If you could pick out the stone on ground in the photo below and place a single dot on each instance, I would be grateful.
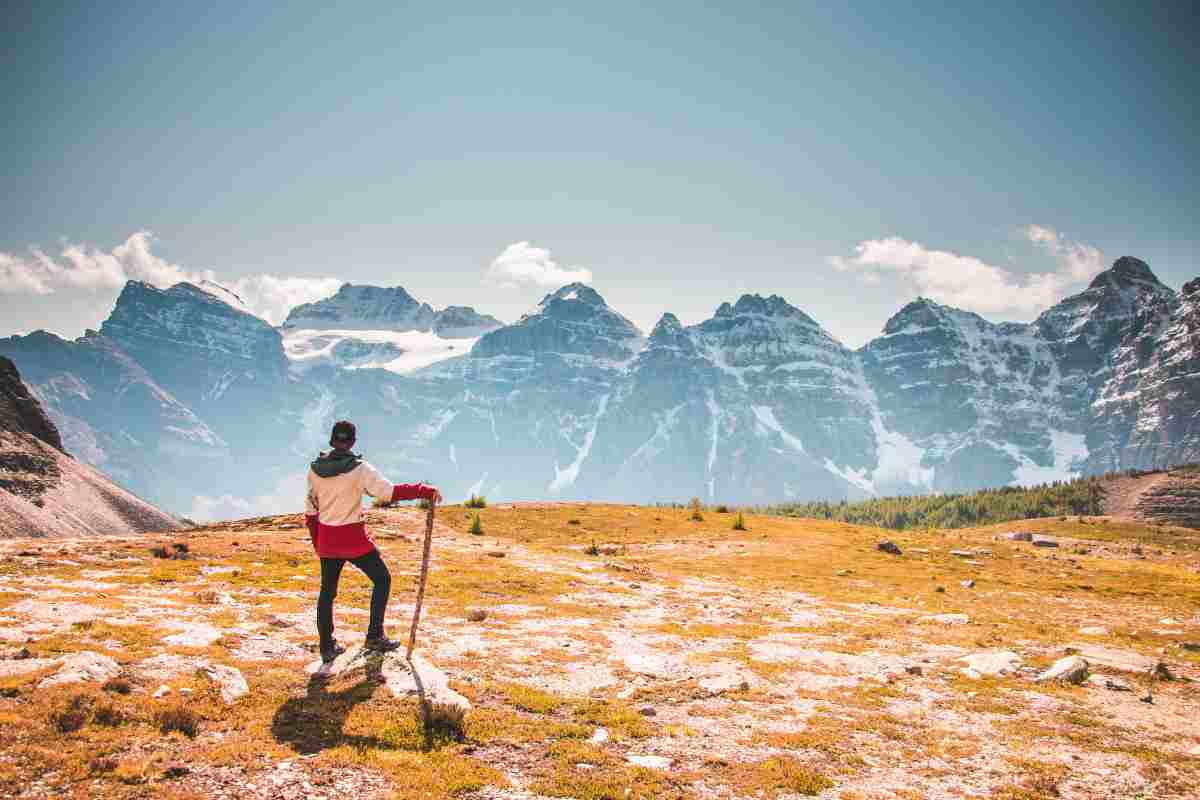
(420, 680)
(1044, 541)
(1071, 669)
(1115, 658)
(991, 663)
(653, 762)
(229, 680)
(83, 667)
(423, 680)
(889, 547)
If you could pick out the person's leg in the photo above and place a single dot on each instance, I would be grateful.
(331, 572)
(373, 567)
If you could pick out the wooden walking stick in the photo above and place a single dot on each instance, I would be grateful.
(412, 634)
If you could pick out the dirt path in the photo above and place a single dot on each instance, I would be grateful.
(1121, 495)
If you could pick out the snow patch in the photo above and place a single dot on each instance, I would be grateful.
(766, 417)
(566, 477)
(1070, 449)
(308, 347)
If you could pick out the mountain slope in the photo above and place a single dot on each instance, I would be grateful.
(43, 491)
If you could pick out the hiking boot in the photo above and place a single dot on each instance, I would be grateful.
(382, 644)
(331, 652)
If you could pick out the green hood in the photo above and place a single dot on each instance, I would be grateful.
(335, 462)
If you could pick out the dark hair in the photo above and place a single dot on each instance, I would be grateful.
(344, 434)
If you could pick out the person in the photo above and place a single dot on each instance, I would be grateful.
(333, 512)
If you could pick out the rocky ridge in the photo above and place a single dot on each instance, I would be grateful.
(45, 492)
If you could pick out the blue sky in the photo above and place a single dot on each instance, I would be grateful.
(847, 159)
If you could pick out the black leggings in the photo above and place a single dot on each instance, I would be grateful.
(331, 572)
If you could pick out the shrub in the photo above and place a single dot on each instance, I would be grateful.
(739, 522)
(109, 715)
(696, 508)
(74, 716)
(594, 549)
(160, 552)
(178, 718)
(476, 501)
(181, 548)
(722, 509)
(476, 528)
(117, 686)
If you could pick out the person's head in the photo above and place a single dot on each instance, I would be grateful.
(343, 435)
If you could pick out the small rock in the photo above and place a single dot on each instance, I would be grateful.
(968, 584)
(1019, 536)
(1094, 630)
(161, 692)
(496, 553)
(1111, 684)
(653, 762)
(1044, 541)
(477, 615)
(599, 737)
(648, 711)
(940, 589)
(229, 679)
(1148, 698)
(1195, 751)
(1191, 647)
(914, 669)
(175, 771)
(889, 547)
(1071, 669)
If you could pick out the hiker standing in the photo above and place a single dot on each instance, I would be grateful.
(334, 515)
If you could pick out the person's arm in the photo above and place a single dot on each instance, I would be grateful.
(376, 485)
(311, 511)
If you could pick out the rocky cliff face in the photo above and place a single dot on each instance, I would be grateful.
(202, 350)
(980, 401)
(379, 308)
(756, 404)
(1152, 401)
(20, 412)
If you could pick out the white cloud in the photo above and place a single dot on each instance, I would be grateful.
(283, 498)
(971, 283)
(272, 297)
(81, 267)
(522, 263)
(962, 281)
(1081, 261)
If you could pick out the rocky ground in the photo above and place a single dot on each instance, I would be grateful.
(612, 652)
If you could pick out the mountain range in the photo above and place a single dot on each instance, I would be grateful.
(200, 406)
